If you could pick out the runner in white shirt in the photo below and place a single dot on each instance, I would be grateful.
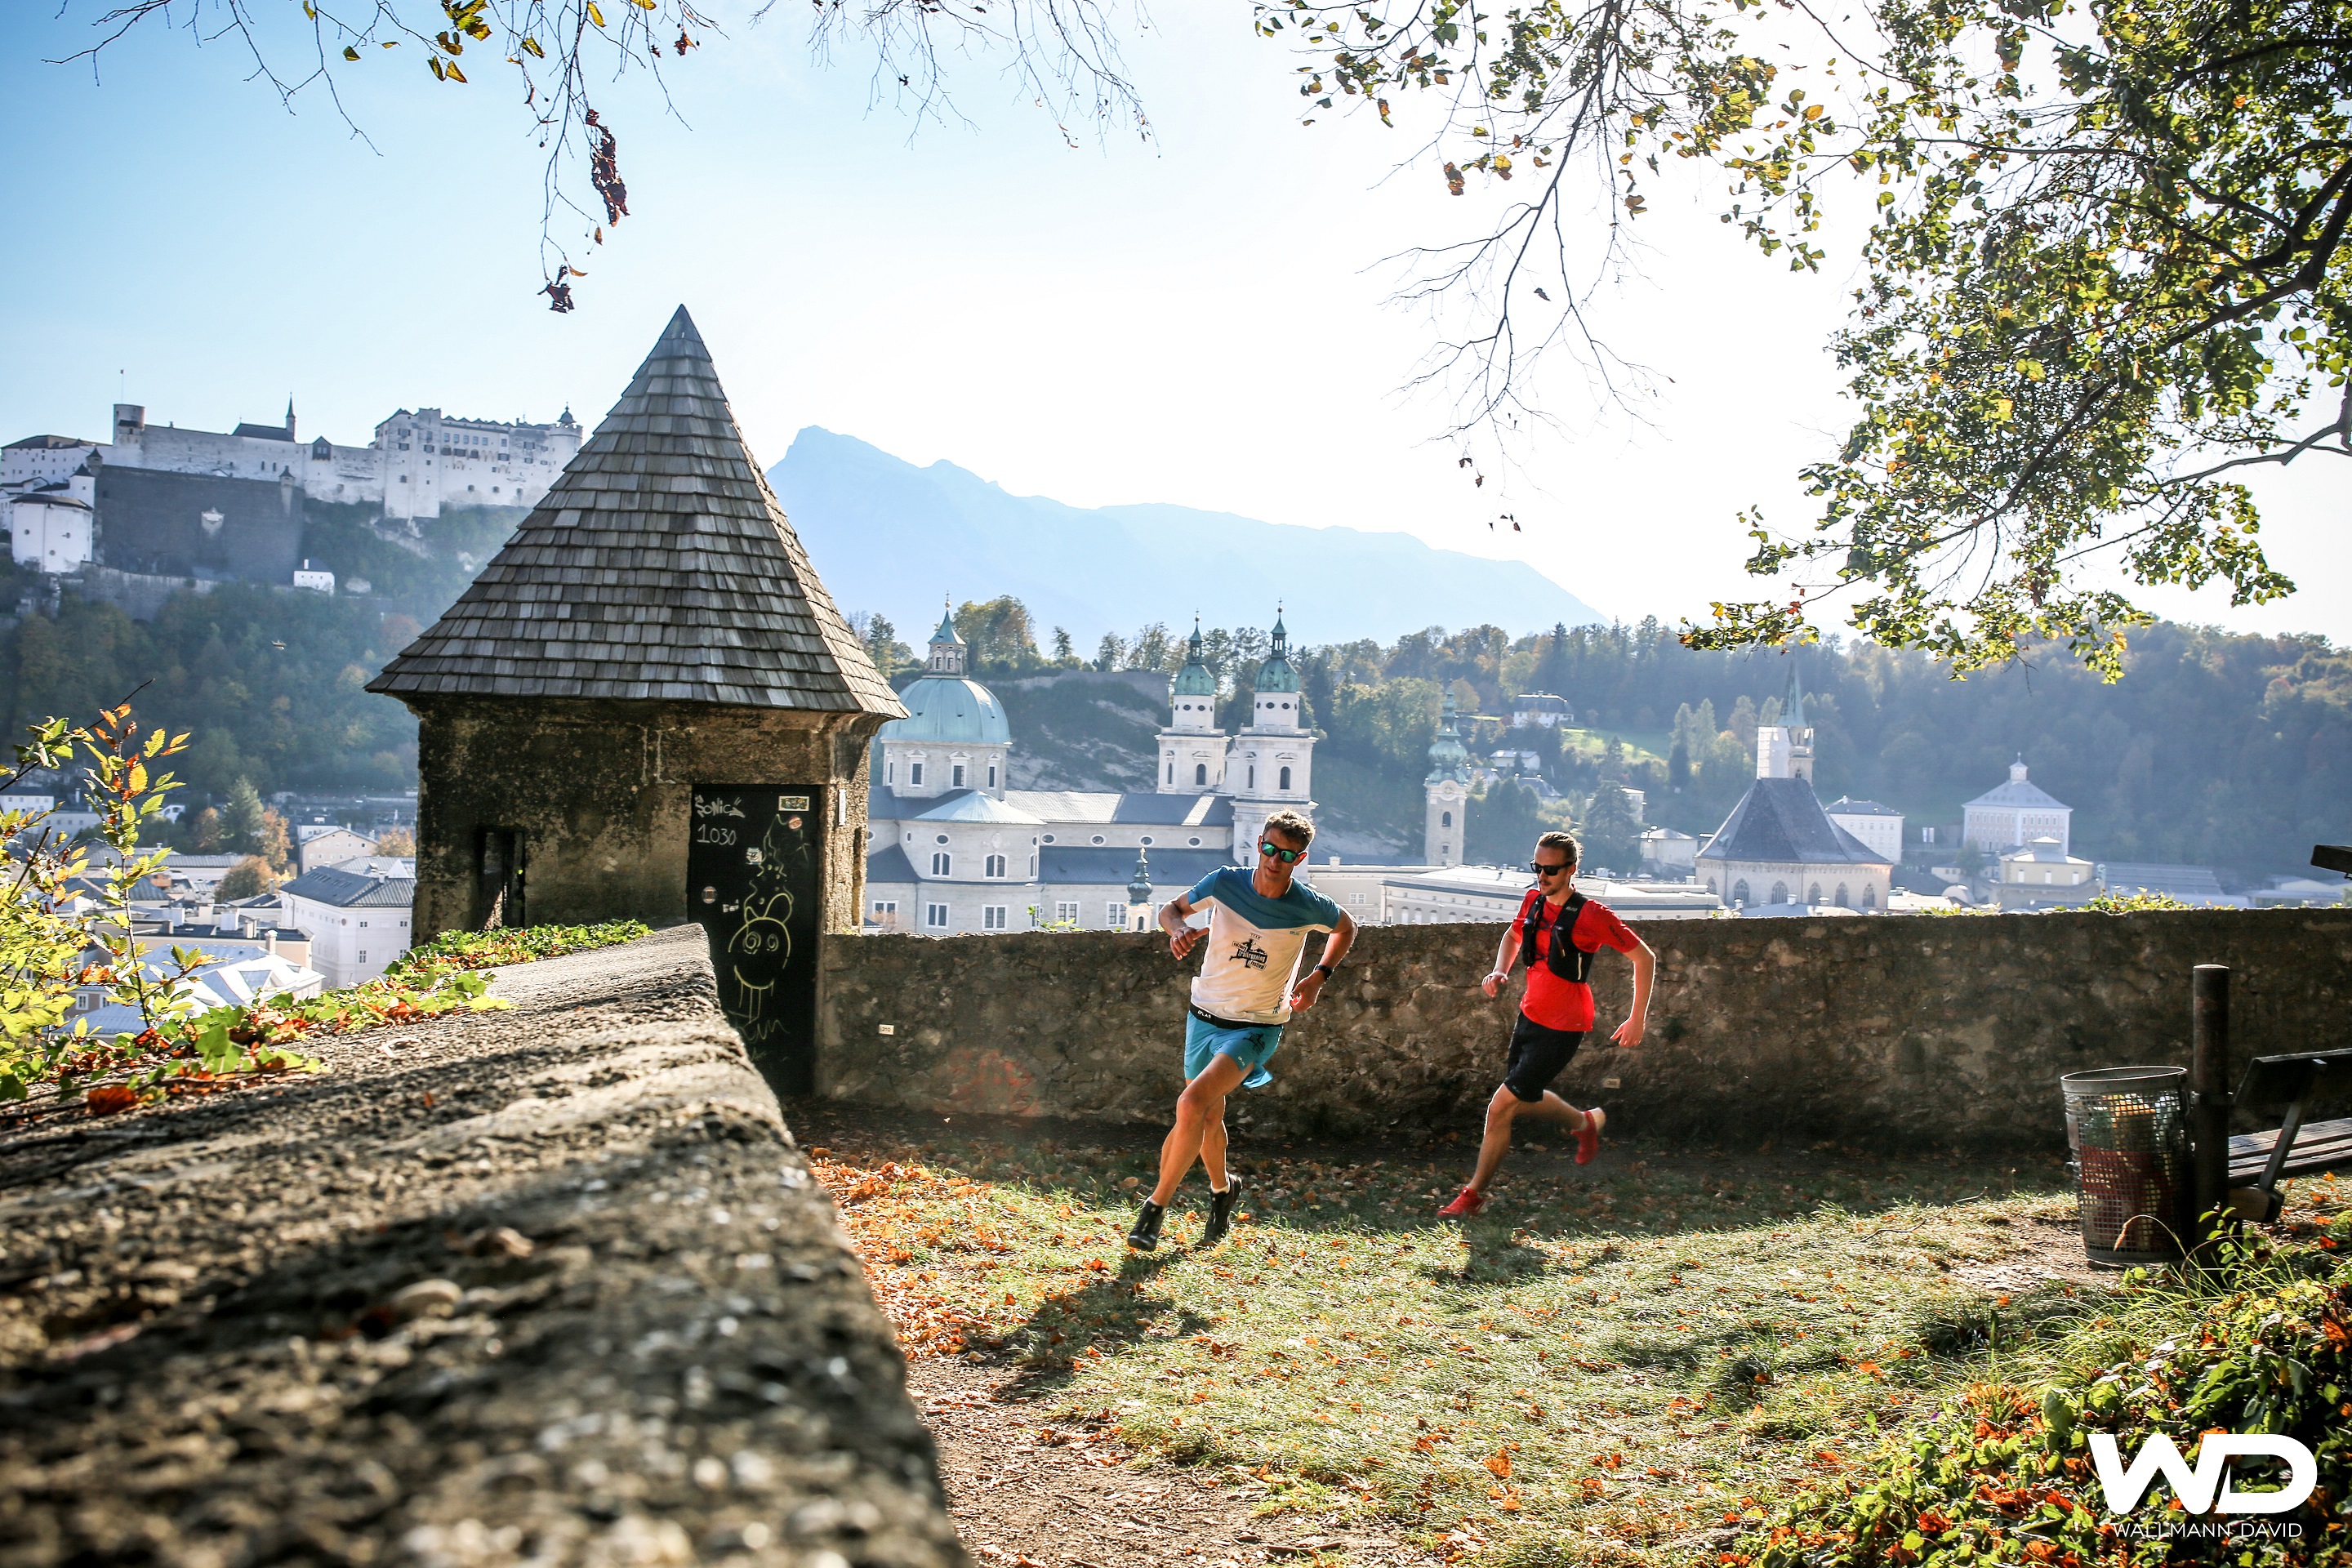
(1246, 990)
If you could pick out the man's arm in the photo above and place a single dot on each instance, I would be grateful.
(1335, 947)
(1506, 958)
(1180, 937)
(1646, 970)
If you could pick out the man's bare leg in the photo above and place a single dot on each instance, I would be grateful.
(1212, 1149)
(1201, 1107)
(1501, 1111)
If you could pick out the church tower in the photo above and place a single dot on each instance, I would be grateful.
(1447, 790)
(950, 653)
(1267, 767)
(1785, 750)
(1192, 746)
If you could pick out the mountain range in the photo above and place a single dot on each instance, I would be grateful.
(894, 539)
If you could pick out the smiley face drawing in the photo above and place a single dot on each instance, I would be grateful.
(762, 944)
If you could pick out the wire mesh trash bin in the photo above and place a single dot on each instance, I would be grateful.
(2128, 1130)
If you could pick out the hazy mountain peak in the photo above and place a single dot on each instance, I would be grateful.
(891, 537)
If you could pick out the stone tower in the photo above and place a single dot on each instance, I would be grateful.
(1269, 765)
(646, 706)
(1192, 745)
(1448, 792)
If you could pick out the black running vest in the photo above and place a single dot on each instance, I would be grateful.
(1565, 959)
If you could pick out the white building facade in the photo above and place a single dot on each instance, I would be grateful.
(357, 915)
(420, 461)
(1880, 827)
(2017, 813)
(957, 852)
(1445, 792)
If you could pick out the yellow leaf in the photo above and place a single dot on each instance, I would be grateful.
(2002, 408)
(350, 53)
(138, 777)
(531, 45)
(594, 15)
(457, 74)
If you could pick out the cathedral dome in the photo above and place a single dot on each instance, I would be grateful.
(953, 711)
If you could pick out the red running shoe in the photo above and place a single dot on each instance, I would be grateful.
(1588, 1137)
(1467, 1203)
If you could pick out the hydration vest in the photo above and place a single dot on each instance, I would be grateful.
(1565, 959)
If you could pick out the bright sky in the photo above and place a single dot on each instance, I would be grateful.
(1199, 320)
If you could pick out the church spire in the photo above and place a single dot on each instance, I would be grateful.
(950, 652)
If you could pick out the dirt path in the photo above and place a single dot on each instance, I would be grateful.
(1022, 1493)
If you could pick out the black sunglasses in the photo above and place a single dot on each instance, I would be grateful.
(1287, 857)
(1540, 869)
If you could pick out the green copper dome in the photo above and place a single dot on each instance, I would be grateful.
(1448, 759)
(953, 712)
(1275, 674)
(1196, 679)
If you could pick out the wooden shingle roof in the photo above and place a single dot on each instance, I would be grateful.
(659, 567)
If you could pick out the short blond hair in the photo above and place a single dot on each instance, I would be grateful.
(1291, 826)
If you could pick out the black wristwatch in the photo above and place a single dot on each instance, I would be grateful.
(1326, 969)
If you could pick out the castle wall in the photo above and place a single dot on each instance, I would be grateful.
(210, 1359)
(602, 790)
(152, 522)
(1921, 1030)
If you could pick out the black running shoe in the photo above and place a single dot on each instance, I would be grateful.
(1145, 1236)
(1221, 1212)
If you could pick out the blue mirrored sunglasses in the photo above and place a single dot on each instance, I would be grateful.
(1287, 857)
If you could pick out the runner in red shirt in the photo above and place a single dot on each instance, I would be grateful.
(1556, 1013)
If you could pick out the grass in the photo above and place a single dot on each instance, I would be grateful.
(1638, 1360)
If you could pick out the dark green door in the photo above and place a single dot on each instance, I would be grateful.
(752, 878)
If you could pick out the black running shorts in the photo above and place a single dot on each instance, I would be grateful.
(1537, 1054)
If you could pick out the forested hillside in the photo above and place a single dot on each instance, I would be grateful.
(2230, 751)
(2226, 750)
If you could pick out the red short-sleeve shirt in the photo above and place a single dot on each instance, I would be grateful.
(1557, 1004)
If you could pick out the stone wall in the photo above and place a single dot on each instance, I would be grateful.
(547, 1286)
(1946, 1030)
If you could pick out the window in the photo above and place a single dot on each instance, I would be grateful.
(1200, 773)
(1286, 780)
(1097, 838)
(991, 775)
(1115, 915)
(1779, 893)
(992, 917)
(1444, 819)
(1814, 895)
(995, 866)
(1253, 775)
(1869, 897)
(887, 911)
(1172, 771)
(915, 773)
(935, 917)
(1194, 842)
(363, 925)
(940, 862)
(1739, 891)
(955, 777)
(1841, 896)
(889, 772)
(1066, 912)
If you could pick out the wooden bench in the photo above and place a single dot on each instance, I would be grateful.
(2259, 1161)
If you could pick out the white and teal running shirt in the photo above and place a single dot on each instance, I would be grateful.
(1254, 944)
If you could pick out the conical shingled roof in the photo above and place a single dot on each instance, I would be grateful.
(659, 567)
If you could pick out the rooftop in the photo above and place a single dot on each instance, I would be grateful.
(658, 567)
(370, 882)
(1845, 805)
(1781, 820)
(974, 805)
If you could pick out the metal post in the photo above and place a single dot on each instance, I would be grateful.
(2208, 1094)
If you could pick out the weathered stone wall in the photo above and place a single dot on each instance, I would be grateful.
(603, 792)
(549, 1285)
(1886, 1029)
